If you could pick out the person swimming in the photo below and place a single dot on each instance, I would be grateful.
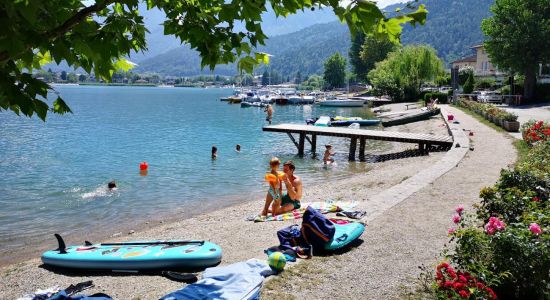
(238, 148)
(214, 152)
(111, 185)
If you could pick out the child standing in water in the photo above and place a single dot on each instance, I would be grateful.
(328, 153)
(274, 178)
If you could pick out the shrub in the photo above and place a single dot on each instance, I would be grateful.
(507, 246)
(484, 84)
(535, 131)
(441, 97)
(468, 87)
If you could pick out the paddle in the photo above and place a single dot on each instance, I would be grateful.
(153, 243)
(62, 247)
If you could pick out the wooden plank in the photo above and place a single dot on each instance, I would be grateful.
(301, 144)
(293, 140)
(362, 149)
(313, 143)
(352, 148)
(391, 136)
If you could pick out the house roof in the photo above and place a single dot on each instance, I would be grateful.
(471, 58)
(476, 46)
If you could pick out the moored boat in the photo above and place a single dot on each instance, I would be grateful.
(342, 103)
(360, 122)
(409, 118)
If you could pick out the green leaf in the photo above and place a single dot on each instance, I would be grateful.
(41, 109)
(124, 65)
(60, 107)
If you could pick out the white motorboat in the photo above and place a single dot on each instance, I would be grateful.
(342, 103)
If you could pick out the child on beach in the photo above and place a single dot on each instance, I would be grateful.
(328, 153)
(274, 178)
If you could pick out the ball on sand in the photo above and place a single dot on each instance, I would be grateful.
(277, 261)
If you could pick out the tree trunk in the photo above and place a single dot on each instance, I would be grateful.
(529, 85)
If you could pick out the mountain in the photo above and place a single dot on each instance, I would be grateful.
(304, 50)
(453, 26)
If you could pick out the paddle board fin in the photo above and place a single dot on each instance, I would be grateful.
(86, 243)
(61, 244)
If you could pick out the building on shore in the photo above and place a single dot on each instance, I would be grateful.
(481, 64)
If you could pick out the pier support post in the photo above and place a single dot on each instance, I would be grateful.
(352, 148)
(301, 143)
(362, 149)
(313, 143)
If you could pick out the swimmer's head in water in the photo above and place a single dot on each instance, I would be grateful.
(238, 147)
(274, 162)
(328, 146)
(111, 184)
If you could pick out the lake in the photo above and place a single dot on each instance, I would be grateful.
(54, 174)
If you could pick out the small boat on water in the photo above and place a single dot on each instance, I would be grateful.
(301, 99)
(342, 103)
(360, 122)
(323, 121)
(410, 118)
(253, 104)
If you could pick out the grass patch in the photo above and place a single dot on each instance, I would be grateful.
(481, 119)
(298, 278)
(523, 150)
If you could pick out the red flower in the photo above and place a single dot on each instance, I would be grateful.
(448, 284)
(439, 276)
(462, 279)
(480, 285)
(491, 293)
(451, 272)
(535, 199)
(464, 294)
(442, 265)
(457, 286)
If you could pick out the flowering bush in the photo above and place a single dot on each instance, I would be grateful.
(451, 284)
(505, 245)
(535, 131)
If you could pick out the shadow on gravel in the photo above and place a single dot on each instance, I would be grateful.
(356, 243)
(376, 158)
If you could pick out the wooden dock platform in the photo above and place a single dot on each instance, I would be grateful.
(425, 141)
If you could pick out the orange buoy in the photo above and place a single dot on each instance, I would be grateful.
(143, 166)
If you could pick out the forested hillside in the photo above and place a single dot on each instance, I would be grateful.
(452, 27)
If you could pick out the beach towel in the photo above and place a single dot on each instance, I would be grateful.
(241, 280)
(322, 206)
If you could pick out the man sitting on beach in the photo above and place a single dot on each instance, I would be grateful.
(291, 199)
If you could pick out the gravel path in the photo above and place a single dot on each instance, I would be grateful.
(409, 234)
(240, 240)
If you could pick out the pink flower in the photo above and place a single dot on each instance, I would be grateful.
(456, 219)
(459, 209)
(451, 231)
(535, 199)
(493, 225)
(535, 228)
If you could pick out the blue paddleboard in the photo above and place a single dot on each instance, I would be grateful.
(344, 235)
(135, 256)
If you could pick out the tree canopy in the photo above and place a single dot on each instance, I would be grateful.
(335, 71)
(405, 70)
(98, 35)
(519, 37)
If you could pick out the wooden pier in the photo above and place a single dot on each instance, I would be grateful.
(424, 141)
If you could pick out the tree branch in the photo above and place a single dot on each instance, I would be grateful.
(67, 25)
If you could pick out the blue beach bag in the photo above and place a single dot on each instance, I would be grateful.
(316, 230)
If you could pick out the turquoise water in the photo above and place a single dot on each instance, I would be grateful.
(54, 174)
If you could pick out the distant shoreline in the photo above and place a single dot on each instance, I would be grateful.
(135, 85)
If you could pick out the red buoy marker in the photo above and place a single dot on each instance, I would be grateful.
(143, 166)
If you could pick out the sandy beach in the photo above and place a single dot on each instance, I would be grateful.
(395, 243)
